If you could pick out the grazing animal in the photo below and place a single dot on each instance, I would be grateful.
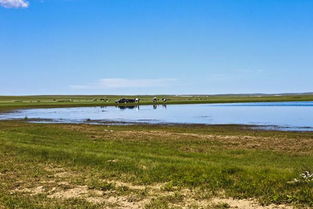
(155, 99)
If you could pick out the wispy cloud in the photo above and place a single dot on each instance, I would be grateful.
(119, 83)
(14, 3)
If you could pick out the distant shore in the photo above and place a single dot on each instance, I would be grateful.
(8, 103)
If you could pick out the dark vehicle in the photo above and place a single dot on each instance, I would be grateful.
(125, 101)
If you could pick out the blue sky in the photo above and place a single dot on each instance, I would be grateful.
(155, 46)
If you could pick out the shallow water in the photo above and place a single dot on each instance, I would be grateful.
(296, 116)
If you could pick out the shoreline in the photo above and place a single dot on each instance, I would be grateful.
(251, 127)
(264, 127)
(27, 102)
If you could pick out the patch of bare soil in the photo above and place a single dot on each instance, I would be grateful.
(31, 191)
(136, 187)
(245, 204)
(57, 187)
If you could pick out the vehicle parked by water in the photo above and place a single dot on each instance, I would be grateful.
(125, 101)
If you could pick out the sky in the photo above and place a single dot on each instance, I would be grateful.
(155, 46)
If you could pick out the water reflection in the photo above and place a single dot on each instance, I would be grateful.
(155, 106)
(124, 107)
(128, 107)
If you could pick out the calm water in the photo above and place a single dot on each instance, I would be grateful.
(275, 115)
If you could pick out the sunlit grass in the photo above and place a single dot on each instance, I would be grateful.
(143, 155)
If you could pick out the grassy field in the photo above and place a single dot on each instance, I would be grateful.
(151, 166)
(13, 102)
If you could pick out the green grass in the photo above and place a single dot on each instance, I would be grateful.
(154, 154)
(208, 161)
(13, 102)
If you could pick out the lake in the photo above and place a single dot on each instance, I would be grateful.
(294, 116)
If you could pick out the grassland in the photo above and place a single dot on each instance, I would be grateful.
(13, 102)
(151, 166)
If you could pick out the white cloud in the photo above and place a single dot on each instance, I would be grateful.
(118, 83)
(14, 3)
